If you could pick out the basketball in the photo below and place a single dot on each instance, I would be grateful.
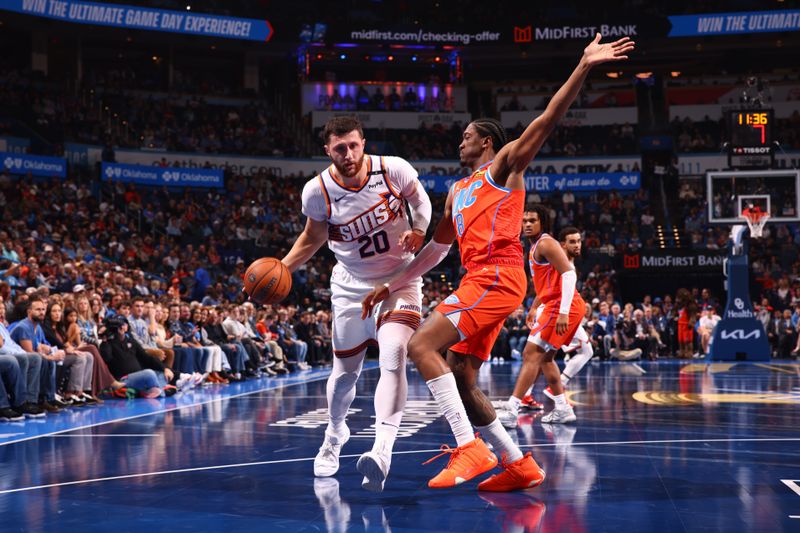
(267, 281)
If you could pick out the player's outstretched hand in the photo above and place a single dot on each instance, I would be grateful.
(597, 53)
(562, 323)
(375, 296)
(412, 240)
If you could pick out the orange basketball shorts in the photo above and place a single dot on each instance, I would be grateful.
(481, 304)
(544, 332)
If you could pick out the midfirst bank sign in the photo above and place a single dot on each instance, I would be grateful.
(677, 260)
(584, 32)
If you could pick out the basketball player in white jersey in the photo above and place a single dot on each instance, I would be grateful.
(358, 205)
(580, 347)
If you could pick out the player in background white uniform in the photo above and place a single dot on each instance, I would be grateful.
(580, 347)
(358, 205)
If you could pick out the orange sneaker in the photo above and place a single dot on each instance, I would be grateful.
(529, 402)
(521, 474)
(466, 462)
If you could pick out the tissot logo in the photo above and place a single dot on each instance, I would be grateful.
(740, 335)
(523, 35)
(631, 261)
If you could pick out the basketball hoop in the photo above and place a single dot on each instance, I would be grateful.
(756, 219)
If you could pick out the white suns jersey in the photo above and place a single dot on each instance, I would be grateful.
(365, 224)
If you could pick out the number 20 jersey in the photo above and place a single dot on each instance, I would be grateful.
(365, 224)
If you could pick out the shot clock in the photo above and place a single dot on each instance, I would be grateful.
(750, 138)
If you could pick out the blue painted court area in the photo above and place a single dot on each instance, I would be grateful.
(657, 447)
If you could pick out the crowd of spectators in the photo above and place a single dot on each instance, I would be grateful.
(170, 266)
(146, 120)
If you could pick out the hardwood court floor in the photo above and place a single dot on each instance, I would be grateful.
(657, 447)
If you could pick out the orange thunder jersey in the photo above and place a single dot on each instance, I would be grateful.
(487, 219)
(546, 279)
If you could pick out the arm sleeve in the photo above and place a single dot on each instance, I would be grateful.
(315, 205)
(568, 281)
(404, 177)
(430, 256)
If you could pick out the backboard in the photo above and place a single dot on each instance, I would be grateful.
(776, 192)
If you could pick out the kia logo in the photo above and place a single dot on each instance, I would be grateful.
(740, 335)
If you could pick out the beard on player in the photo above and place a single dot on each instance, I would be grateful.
(351, 168)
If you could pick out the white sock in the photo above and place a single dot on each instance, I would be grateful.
(445, 392)
(341, 390)
(577, 362)
(501, 441)
(514, 403)
(561, 401)
(392, 389)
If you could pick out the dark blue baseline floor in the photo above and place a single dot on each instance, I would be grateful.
(657, 447)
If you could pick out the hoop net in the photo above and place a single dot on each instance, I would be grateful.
(756, 219)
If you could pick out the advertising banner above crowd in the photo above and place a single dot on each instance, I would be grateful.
(735, 23)
(396, 120)
(673, 260)
(512, 31)
(35, 165)
(575, 117)
(144, 18)
(158, 176)
(272, 166)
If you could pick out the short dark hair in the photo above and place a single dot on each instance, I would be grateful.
(489, 127)
(544, 215)
(567, 230)
(341, 126)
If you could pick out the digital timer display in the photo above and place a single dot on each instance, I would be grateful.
(751, 132)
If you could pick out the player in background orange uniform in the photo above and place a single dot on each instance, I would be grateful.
(484, 212)
(562, 311)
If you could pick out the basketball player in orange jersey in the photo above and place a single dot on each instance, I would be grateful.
(358, 206)
(555, 322)
(484, 213)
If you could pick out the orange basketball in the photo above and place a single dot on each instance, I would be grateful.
(267, 281)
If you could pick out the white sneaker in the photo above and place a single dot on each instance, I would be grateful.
(326, 463)
(374, 465)
(185, 382)
(562, 415)
(561, 434)
(507, 415)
